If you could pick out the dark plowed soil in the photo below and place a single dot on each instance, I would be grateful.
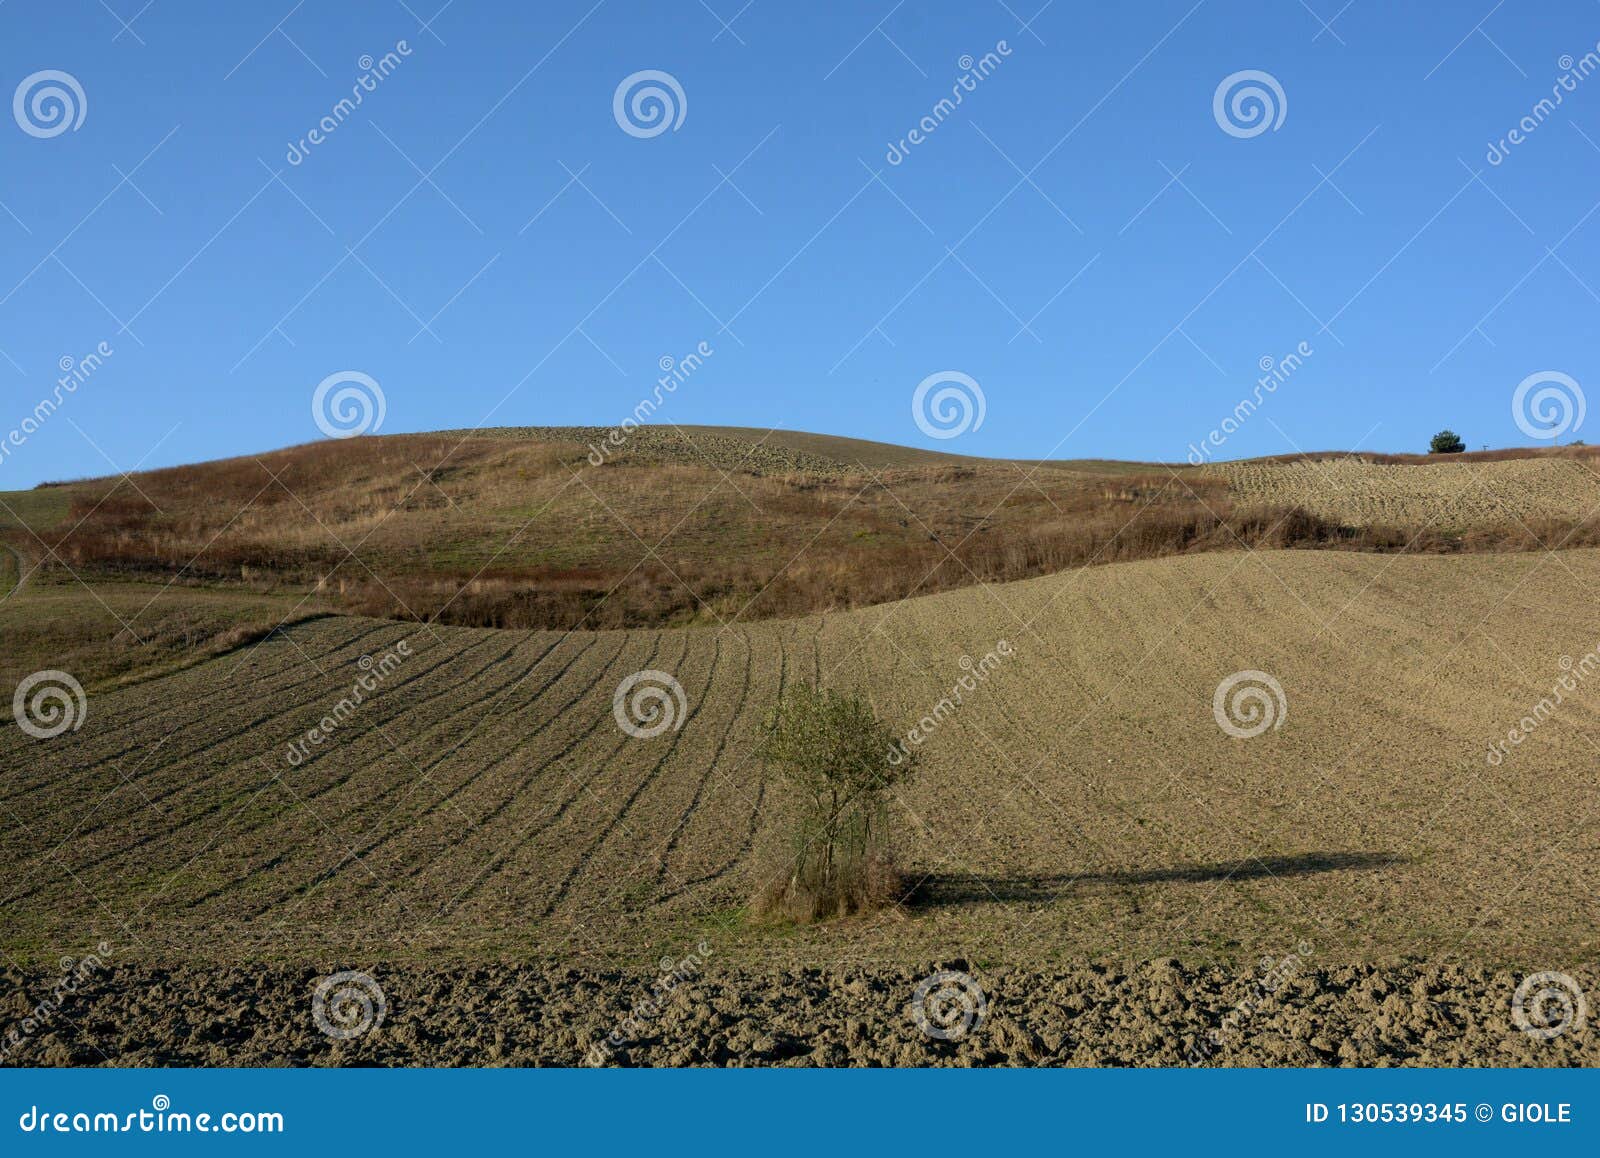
(1154, 1013)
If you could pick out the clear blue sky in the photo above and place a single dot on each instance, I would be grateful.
(550, 260)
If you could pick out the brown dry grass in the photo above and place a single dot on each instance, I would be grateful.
(711, 527)
(506, 532)
(875, 886)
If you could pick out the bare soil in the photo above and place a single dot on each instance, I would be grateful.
(1155, 1013)
(1082, 803)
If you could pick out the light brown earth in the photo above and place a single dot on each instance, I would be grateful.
(1450, 496)
(1082, 805)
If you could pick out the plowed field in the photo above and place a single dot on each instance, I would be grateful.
(1446, 495)
(1082, 803)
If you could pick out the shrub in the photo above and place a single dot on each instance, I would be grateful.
(840, 761)
(1446, 442)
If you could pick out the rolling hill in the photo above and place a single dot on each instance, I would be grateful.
(376, 705)
(1083, 802)
(694, 526)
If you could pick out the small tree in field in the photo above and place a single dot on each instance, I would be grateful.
(841, 761)
(1446, 442)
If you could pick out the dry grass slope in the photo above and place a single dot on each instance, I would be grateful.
(514, 528)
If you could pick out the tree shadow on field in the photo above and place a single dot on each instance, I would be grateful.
(968, 888)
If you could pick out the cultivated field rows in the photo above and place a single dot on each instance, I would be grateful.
(1081, 802)
(1445, 495)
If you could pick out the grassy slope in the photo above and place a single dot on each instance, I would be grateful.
(106, 634)
(513, 527)
(523, 531)
(685, 443)
(110, 632)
